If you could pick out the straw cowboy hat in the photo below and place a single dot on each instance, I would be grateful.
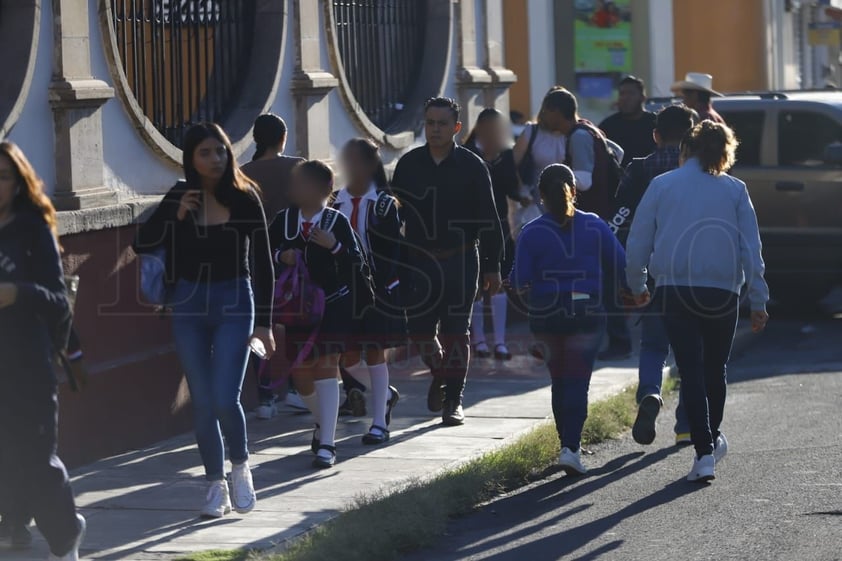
(696, 81)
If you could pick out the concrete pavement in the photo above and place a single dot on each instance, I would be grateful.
(142, 506)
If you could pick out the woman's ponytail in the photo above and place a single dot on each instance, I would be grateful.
(557, 186)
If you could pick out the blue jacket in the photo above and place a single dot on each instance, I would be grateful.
(552, 260)
(697, 229)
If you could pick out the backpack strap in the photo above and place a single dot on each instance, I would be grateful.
(533, 135)
(329, 217)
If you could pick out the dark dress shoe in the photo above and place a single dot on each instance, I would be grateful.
(395, 396)
(502, 353)
(481, 351)
(376, 435)
(321, 462)
(435, 396)
(453, 415)
(314, 442)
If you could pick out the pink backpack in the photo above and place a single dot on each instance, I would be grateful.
(297, 302)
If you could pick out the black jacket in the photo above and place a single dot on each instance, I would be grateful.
(340, 271)
(38, 323)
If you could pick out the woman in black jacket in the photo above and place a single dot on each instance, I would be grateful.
(213, 227)
(323, 238)
(367, 202)
(34, 324)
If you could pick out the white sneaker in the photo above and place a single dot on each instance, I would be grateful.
(294, 401)
(266, 410)
(73, 554)
(720, 448)
(703, 469)
(242, 487)
(218, 502)
(571, 462)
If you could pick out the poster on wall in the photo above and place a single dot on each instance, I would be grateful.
(602, 51)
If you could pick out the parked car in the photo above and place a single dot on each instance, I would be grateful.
(790, 156)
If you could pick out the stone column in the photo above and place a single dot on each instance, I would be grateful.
(310, 83)
(497, 94)
(471, 79)
(77, 98)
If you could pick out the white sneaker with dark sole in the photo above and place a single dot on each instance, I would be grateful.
(571, 462)
(267, 410)
(243, 496)
(703, 469)
(720, 448)
(218, 501)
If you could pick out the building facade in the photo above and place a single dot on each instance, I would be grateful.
(99, 92)
(588, 45)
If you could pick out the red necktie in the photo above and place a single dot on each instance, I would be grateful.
(355, 212)
(305, 229)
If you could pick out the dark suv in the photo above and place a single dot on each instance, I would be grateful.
(790, 157)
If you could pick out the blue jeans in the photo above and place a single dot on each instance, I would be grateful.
(654, 349)
(570, 334)
(701, 323)
(211, 324)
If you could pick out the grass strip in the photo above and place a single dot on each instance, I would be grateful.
(380, 526)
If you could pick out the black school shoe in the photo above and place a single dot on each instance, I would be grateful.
(372, 438)
(453, 415)
(322, 462)
(394, 398)
(643, 430)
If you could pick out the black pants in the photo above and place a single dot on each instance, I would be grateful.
(37, 481)
(701, 323)
(440, 301)
(619, 334)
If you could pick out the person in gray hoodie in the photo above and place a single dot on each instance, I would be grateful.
(695, 232)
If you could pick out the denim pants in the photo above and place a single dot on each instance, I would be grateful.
(440, 300)
(701, 323)
(570, 334)
(211, 324)
(654, 349)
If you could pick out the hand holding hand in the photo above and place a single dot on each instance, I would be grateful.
(492, 282)
(190, 202)
(323, 238)
(8, 294)
(759, 319)
(289, 257)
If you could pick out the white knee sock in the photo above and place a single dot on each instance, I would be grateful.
(478, 323)
(359, 372)
(379, 393)
(499, 307)
(327, 392)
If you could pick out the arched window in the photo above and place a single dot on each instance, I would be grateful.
(185, 61)
(381, 45)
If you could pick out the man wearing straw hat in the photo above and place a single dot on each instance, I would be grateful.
(696, 90)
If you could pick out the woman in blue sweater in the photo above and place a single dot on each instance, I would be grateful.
(561, 259)
(695, 233)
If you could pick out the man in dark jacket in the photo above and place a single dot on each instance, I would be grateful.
(631, 127)
(670, 126)
(454, 240)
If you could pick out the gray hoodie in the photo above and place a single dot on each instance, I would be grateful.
(697, 229)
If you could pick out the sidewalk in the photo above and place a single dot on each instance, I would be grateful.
(142, 506)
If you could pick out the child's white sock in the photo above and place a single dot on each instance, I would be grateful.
(379, 392)
(327, 392)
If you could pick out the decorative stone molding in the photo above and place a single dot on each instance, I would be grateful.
(263, 77)
(501, 77)
(310, 83)
(126, 213)
(77, 98)
(19, 34)
(433, 71)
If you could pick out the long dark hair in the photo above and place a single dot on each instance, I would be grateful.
(557, 186)
(31, 195)
(370, 152)
(558, 99)
(233, 180)
(487, 114)
(269, 130)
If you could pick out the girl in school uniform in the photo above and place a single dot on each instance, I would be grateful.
(373, 213)
(323, 237)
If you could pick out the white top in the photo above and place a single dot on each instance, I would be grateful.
(345, 205)
(549, 148)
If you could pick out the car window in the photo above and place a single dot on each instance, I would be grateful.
(803, 137)
(748, 125)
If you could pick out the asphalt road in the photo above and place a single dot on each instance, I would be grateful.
(777, 496)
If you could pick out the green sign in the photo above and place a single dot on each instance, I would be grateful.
(603, 36)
